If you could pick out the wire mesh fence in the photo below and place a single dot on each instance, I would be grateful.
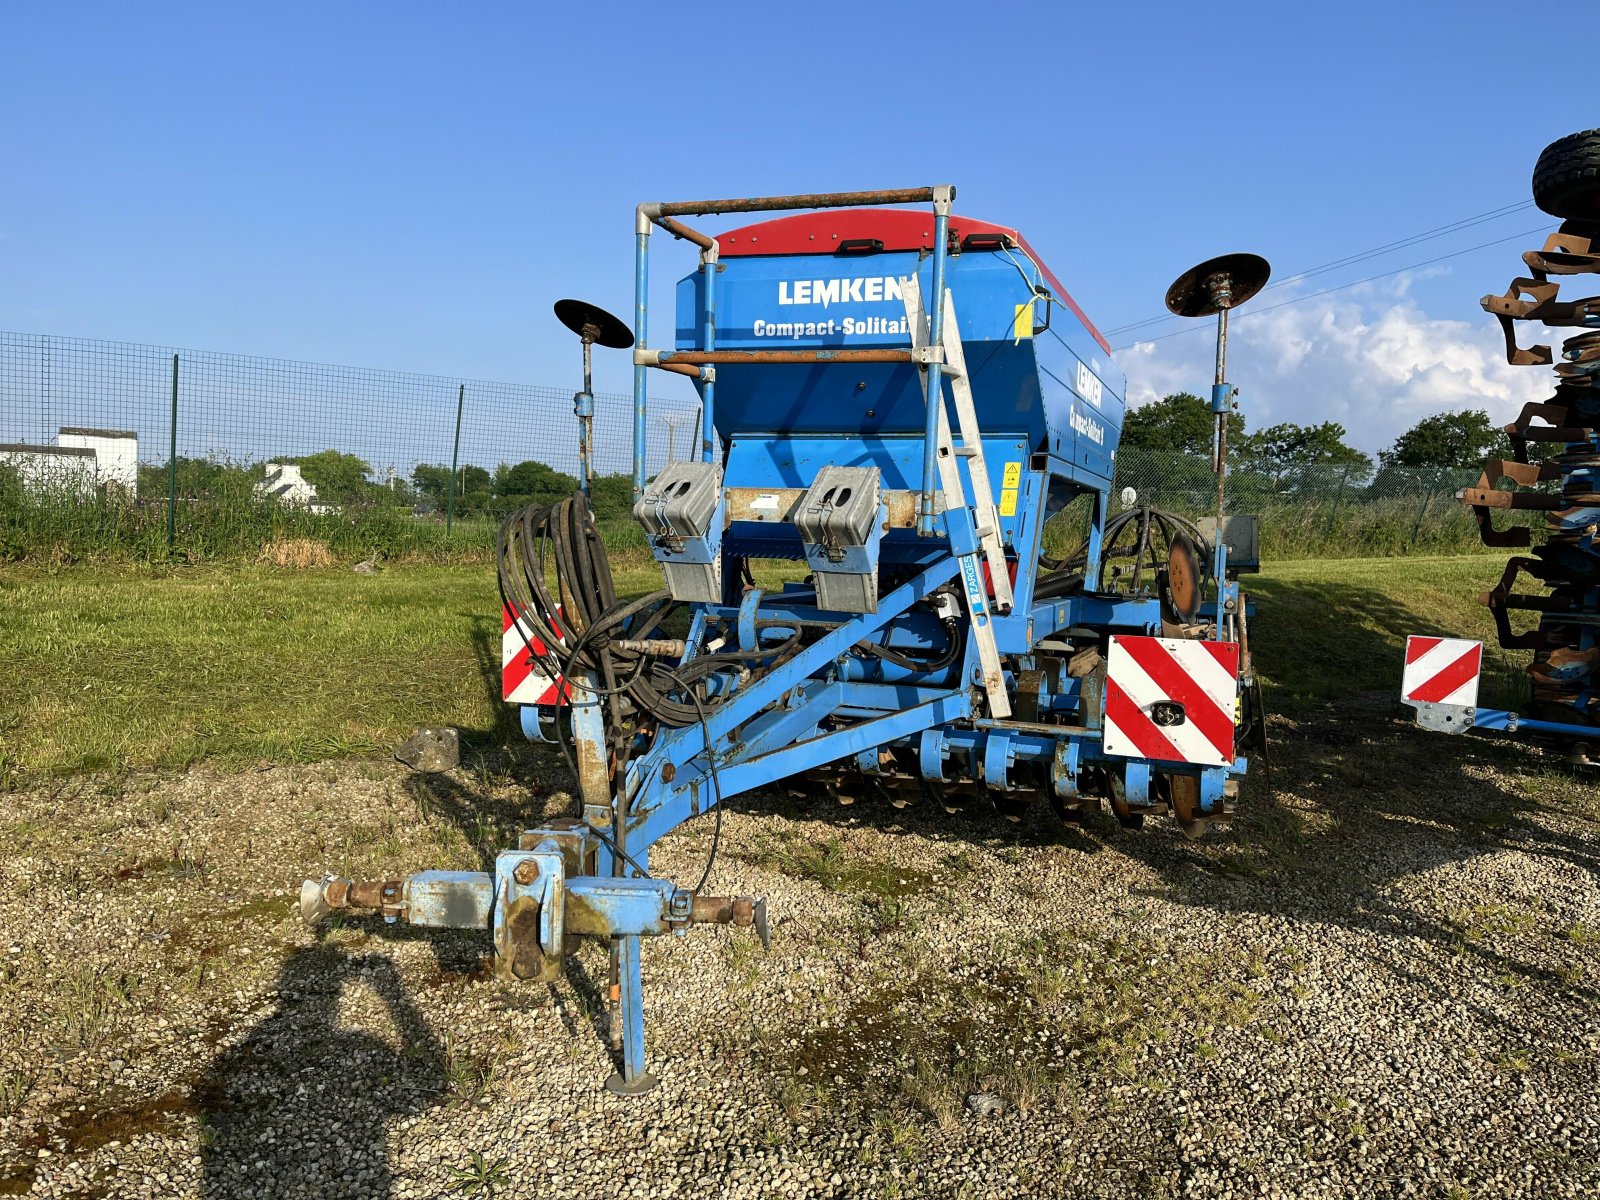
(235, 408)
(197, 432)
(118, 447)
(1306, 510)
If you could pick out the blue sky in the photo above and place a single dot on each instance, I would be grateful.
(411, 186)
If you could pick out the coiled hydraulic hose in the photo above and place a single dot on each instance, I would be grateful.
(580, 625)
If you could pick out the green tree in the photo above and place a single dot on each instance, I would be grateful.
(611, 497)
(1281, 452)
(473, 485)
(1180, 422)
(1448, 439)
(534, 482)
(199, 478)
(338, 477)
(500, 482)
(432, 480)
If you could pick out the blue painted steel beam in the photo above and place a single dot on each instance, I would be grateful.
(641, 328)
(450, 899)
(680, 746)
(671, 808)
(1510, 722)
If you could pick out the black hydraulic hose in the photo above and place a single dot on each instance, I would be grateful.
(1060, 573)
(579, 625)
(1057, 584)
(914, 662)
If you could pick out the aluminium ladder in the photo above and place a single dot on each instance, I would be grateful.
(985, 516)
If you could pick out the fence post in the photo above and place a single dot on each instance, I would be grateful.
(1333, 509)
(455, 454)
(172, 462)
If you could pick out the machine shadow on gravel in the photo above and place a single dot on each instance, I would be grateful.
(1360, 799)
(302, 1106)
(1390, 803)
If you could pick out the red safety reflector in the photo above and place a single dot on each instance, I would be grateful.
(1441, 671)
(523, 678)
(1149, 678)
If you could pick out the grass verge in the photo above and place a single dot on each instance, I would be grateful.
(133, 666)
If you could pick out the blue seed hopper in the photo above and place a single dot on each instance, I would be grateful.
(903, 405)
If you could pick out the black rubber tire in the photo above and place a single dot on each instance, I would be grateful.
(1566, 179)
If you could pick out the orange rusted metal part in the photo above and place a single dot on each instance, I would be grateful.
(1564, 254)
(363, 893)
(768, 357)
(702, 208)
(679, 229)
(1486, 496)
(723, 910)
(678, 368)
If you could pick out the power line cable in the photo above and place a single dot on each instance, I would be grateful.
(1402, 244)
(1415, 239)
(1341, 287)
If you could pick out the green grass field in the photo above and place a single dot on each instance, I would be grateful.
(140, 666)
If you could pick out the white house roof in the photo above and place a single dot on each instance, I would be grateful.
(24, 448)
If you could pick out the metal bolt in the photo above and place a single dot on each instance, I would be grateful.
(527, 871)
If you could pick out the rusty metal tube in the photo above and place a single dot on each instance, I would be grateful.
(720, 357)
(694, 208)
(362, 893)
(678, 368)
(722, 910)
(679, 229)
(318, 898)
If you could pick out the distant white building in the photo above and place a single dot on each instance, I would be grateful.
(51, 468)
(284, 483)
(81, 461)
(116, 454)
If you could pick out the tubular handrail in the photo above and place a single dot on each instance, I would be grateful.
(702, 208)
(940, 196)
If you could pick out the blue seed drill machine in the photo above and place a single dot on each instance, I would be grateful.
(903, 400)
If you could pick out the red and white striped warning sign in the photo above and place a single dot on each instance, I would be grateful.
(522, 680)
(1171, 699)
(1441, 671)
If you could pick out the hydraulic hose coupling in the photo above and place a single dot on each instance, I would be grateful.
(318, 899)
(743, 911)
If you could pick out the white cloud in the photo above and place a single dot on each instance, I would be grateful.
(1374, 362)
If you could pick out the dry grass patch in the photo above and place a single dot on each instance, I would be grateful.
(296, 553)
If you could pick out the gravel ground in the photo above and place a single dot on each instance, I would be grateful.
(1381, 981)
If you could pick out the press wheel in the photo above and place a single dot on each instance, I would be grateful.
(1183, 793)
(1120, 807)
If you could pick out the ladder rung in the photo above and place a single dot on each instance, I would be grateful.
(966, 452)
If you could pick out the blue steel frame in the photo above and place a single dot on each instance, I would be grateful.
(773, 727)
(823, 705)
(1510, 722)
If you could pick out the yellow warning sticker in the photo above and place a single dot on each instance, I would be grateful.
(1022, 323)
(1008, 502)
(1013, 476)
